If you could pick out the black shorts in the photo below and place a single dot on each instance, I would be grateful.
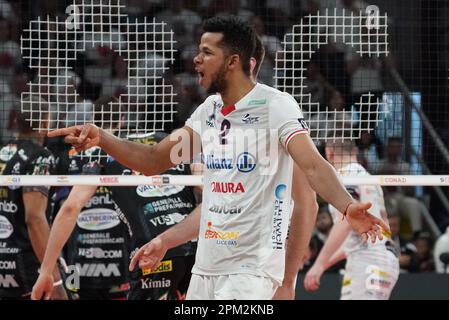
(168, 282)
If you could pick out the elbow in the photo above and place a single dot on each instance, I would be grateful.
(69, 211)
(34, 219)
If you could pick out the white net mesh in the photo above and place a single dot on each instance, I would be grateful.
(364, 33)
(97, 28)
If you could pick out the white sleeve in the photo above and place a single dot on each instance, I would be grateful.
(286, 117)
(197, 120)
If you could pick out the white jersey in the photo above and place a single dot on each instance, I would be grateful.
(363, 194)
(247, 182)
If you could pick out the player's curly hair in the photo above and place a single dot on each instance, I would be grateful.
(238, 37)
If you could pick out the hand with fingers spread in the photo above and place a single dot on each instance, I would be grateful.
(81, 137)
(365, 223)
(149, 256)
(312, 278)
(43, 287)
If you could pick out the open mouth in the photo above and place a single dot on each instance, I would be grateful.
(200, 76)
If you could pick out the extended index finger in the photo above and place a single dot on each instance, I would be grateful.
(136, 258)
(61, 132)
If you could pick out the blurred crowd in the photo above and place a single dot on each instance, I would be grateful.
(337, 77)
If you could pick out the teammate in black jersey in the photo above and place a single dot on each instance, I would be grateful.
(99, 244)
(24, 228)
(146, 211)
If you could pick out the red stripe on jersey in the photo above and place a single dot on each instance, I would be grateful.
(294, 133)
(227, 110)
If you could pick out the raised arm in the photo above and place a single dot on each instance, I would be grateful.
(60, 232)
(323, 179)
(301, 227)
(180, 146)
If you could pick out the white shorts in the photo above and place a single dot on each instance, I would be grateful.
(231, 287)
(370, 275)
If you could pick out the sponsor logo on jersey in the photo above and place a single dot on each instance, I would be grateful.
(7, 152)
(248, 119)
(149, 283)
(22, 155)
(99, 253)
(8, 281)
(218, 163)
(7, 265)
(158, 191)
(164, 205)
(165, 266)
(303, 123)
(224, 238)
(227, 187)
(16, 168)
(4, 249)
(98, 219)
(98, 270)
(100, 199)
(98, 238)
(8, 207)
(73, 166)
(276, 236)
(42, 165)
(6, 228)
(225, 209)
(257, 102)
(168, 219)
(246, 162)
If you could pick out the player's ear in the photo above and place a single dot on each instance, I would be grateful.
(233, 61)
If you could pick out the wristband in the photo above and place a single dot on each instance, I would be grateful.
(57, 283)
(346, 210)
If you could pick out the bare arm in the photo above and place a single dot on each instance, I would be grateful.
(38, 229)
(179, 146)
(333, 245)
(331, 253)
(150, 255)
(61, 229)
(64, 223)
(323, 179)
(320, 174)
(301, 225)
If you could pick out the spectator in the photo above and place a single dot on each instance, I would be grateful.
(181, 20)
(406, 248)
(272, 45)
(422, 261)
(370, 150)
(401, 200)
(441, 246)
(10, 55)
(229, 7)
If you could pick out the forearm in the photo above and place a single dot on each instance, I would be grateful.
(186, 230)
(336, 257)
(137, 156)
(60, 232)
(334, 242)
(324, 180)
(300, 233)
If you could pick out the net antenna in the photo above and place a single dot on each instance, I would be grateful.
(51, 46)
(366, 33)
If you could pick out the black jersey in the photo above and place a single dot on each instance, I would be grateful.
(150, 210)
(99, 245)
(18, 262)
